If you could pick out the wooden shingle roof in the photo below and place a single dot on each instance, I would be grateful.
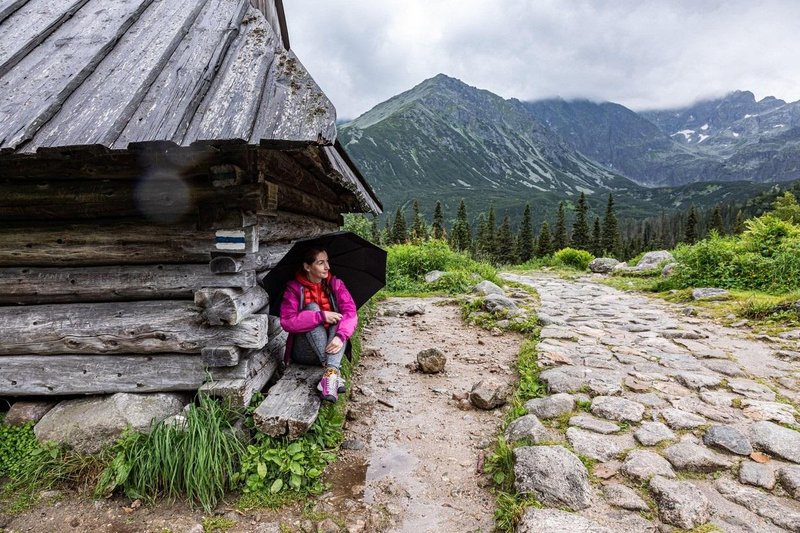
(116, 72)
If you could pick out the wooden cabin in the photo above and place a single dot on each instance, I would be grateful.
(157, 157)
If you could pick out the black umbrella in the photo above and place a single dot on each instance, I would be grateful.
(357, 262)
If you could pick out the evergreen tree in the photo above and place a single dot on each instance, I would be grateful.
(690, 235)
(399, 233)
(480, 244)
(437, 230)
(717, 223)
(461, 236)
(544, 245)
(525, 236)
(560, 237)
(375, 232)
(505, 243)
(419, 230)
(610, 239)
(386, 232)
(491, 235)
(786, 208)
(580, 228)
(597, 239)
(738, 226)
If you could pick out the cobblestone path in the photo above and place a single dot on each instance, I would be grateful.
(682, 422)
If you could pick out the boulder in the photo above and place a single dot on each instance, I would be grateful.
(599, 447)
(760, 503)
(527, 427)
(486, 288)
(551, 406)
(619, 495)
(757, 475)
(496, 302)
(89, 424)
(668, 269)
(433, 276)
(414, 310)
(695, 458)
(431, 361)
(554, 475)
(651, 433)
(789, 477)
(710, 294)
(776, 440)
(643, 465)
(729, 439)
(557, 521)
(613, 408)
(652, 260)
(21, 413)
(603, 265)
(487, 394)
(680, 503)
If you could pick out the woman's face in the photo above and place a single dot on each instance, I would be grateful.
(318, 269)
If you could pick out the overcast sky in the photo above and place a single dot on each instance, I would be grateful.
(642, 54)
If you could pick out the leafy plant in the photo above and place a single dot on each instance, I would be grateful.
(570, 257)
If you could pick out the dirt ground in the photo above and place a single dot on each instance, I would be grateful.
(411, 456)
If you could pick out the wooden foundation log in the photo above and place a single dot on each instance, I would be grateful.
(228, 307)
(28, 285)
(221, 356)
(254, 361)
(292, 404)
(265, 258)
(285, 226)
(99, 374)
(120, 328)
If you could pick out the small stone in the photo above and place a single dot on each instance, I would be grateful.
(643, 465)
(619, 495)
(557, 521)
(327, 526)
(21, 413)
(761, 410)
(554, 332)
(196, 528)
(752, 389)
(689, 456)
(727, 368)
(757, 474)
(696, 381)
(594, 424)
(487, 394)
(551, 406)
(433, 276)
(789, 477)
(598, 447)
(527, 427)
(607, 470)
(677, 419)
(553, 474)
(719, 398)
(487, 287)
(651, 433)
(352, 444)
(710, 294)
(496, 302)
(680, 503)
(728, 438)
(619, 409)
(431, 361)
(414, 310)
(760, 503)
(776, 440)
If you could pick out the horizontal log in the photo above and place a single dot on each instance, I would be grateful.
(30, 285)
(99, 374)
(120, 328)
(220, 356)
(228, 307)
(265, 258)
(287, 226)
(297, 201)
(253, 361)
(291, 405)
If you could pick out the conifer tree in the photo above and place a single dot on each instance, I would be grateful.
(597, 239)
(461, 236)
(491, 235)
(375, 232)
(717, 223)
(505, 243)
(480, 245)
(544, 245)
(610, 236)
(786, 208)
(525, 236)
(399, 233)
(437, 230)
(690, 235)
(386, 232)
(738, 226)
(419, 230)
(560, 237)
(580, 228)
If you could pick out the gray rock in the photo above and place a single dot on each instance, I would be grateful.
(710, 294)
(727, 368)
(554, 475)
(603, 265)
(619, 495)
(790, 335)
(21, 413)
(594, 424)
(554, 332)
(551, 406)
(697, 381)
(651, 433)
(680, 503)
(598, 447)
(557, 521)
(789, 477)
(777, 412)
(527, 427)
(752, 389)
(760, 503)
(728, 438)
(776, 440)
(643, 465)
(431, 361)
(497, 302)
(414, 310)
(677, 419)
(352, 444)
(327, 526)
(668, 269)
(689, 456)
(434, 275)
(487, 287)
(89, 424)
(652, 260)
(487, 394)
(756, 474)
(614, 408)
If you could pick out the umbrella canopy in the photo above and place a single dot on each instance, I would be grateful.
(357, 262)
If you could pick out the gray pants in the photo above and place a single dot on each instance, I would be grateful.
(309, 347)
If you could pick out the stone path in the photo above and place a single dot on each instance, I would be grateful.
(681, 421)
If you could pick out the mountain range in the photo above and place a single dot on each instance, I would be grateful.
(445, 140)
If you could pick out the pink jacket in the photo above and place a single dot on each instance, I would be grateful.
(294, 320)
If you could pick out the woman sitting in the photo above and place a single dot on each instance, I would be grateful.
(320, 316)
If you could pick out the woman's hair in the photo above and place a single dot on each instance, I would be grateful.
(309, 256)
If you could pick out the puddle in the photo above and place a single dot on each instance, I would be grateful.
(395, 461)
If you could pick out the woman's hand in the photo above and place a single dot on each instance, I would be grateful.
(332, 317)
(335, 345)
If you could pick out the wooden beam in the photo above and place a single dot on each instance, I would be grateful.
(120, 328)
(27, 285)
(220, 356)
(99, 374)
(254, 361)
(229, 306)
(288, 226)
(291, 405)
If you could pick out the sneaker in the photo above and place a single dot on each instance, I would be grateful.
(342, 386)
(329, 385)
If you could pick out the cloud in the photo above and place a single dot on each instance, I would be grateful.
(642, 54)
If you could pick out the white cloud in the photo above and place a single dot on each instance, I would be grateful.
(643, 54)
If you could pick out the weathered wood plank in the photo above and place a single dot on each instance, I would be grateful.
(297, 201)
(99, 374)
(175, 95)
(40, 83)
(28, 285)
(235, 95)
(227, 306)
(221, 356)
(292, 404)
(254, 361)
(291, 226)
(8, 7)
(29, 26)
(120, 328)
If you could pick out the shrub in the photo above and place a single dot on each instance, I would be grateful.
(573, 258)
(765, 234)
